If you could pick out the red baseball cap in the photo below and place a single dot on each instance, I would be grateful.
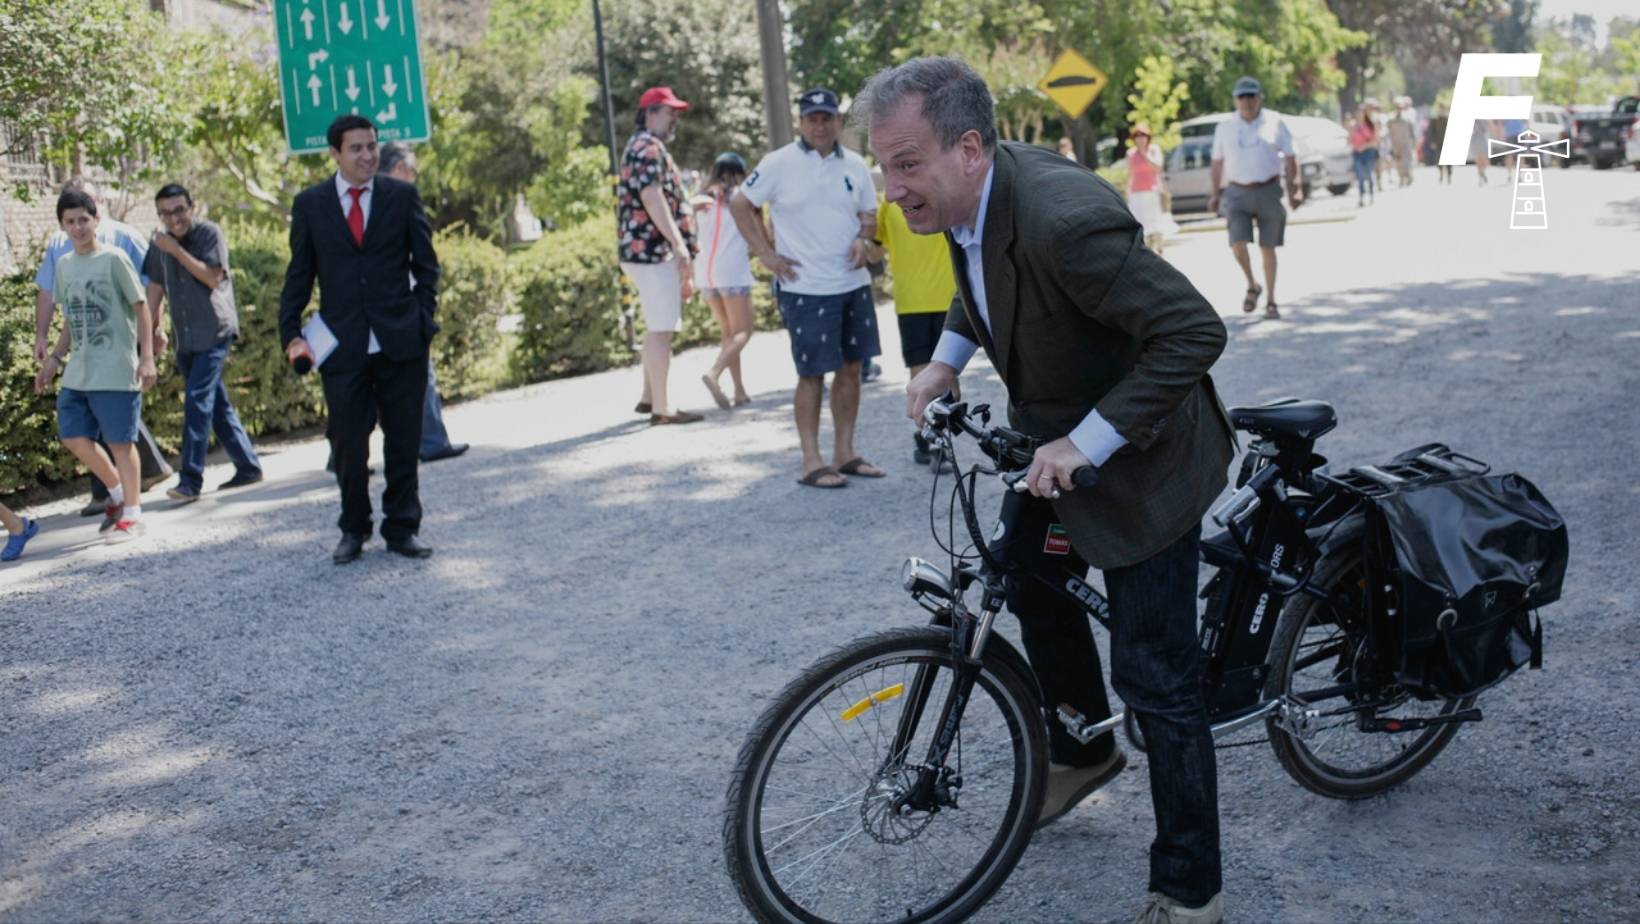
(661, 96)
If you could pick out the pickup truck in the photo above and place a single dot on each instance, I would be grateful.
(1600, 138)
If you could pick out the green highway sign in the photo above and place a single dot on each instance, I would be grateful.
(341, 56)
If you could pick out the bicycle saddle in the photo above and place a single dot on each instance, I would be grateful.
(1287, 418)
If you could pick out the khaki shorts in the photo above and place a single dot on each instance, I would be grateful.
(1245, 204)
(659, 293)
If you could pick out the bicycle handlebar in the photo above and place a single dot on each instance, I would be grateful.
(1011, 450)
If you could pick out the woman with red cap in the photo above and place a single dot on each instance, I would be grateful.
(657, 243)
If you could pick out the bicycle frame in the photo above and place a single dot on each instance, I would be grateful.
(1265, 555)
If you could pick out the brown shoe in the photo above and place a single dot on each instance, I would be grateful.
(1271, 312)
(1068, 786)
(676, 417)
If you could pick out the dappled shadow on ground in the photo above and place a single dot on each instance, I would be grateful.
(243, 730)
(1623, 215)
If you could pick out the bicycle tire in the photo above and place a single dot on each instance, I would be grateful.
(1342, 575)
(1004, 680)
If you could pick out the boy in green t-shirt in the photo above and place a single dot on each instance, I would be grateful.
(109, 326)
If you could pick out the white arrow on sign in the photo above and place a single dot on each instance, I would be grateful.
(382, 19)
(314, 83)
(345, 23)
(388, 86)
(307, 23)
(315, 58)
(352, 85)
(389, 114)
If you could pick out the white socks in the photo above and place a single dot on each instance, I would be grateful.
(117, 494)
(133, 512)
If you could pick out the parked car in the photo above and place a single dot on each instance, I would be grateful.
(1601, 136)
(1323, 158)
(1631, 147)
(1552, 123)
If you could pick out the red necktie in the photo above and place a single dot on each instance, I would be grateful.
(355, 217)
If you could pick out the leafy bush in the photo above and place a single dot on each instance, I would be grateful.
(570, 293)
(473, 293)
(29, 450)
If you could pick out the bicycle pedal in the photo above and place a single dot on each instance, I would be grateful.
(1079, 728)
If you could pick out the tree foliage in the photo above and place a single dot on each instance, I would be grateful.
(89, 81)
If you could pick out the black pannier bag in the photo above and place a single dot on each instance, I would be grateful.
(1459, 563)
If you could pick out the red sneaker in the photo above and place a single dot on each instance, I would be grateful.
(125, 531)
(111, 516)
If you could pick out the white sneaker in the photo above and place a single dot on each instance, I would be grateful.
(1164, 910)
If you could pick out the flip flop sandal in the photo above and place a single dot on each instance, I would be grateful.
(1251, 301)
(856, 465)
(812, 479)
(717, 392)
(681, 417)
(1272, 312)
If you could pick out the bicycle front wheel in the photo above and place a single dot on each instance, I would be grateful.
(821, 823)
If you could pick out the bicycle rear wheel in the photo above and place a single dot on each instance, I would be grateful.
(1317, 647)
(811, 831)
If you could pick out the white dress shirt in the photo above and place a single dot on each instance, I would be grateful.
(342, 187)
(1094, 437)
(1252, 150)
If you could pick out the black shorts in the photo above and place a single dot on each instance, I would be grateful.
(919, 334)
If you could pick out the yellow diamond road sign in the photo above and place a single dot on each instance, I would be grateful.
(1072, 83)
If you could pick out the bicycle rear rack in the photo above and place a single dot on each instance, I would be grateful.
(1427, 464)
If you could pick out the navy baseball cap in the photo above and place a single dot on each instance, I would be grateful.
(818, 99)
(1247, 86)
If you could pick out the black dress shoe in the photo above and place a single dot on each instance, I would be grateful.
(241, 479)
(349, 549)
(410, 547)
(450, 451)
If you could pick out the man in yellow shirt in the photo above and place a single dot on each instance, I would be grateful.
(923, 291)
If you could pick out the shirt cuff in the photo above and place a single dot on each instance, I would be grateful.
(1095, 438)
(955, 350)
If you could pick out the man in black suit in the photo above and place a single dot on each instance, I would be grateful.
(363, 237)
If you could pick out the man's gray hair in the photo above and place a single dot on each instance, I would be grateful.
(955, 99)
(391, 155)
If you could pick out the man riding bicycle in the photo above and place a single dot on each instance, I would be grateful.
(1104, 349)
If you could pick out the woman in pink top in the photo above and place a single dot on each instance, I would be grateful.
(1364, 142)
(1144, 186)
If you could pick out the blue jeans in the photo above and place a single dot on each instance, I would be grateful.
(1155, 666)
(1364, 163)
(206, 409)
(434, 438)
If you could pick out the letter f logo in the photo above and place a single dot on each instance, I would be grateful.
(1468, 105)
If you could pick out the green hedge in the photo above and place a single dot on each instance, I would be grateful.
(474, 293)
(572, 293)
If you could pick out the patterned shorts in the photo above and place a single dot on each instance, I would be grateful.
(829, 330)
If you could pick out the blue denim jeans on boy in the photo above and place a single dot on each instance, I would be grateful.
(206, 409)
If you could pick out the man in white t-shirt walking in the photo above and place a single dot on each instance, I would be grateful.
(1252, 151)
(824, 209)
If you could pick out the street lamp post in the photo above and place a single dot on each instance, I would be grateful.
(776, 106)
(603, 75)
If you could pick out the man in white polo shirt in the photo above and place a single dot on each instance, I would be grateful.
(824, 209)
(1252, 151)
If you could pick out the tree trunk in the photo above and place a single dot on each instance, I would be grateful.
(1353, 62)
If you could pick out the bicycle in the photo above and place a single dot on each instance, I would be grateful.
(900, 777)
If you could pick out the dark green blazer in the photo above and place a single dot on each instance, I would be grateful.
(1083, 317)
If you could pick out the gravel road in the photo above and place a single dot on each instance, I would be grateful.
(538, 723)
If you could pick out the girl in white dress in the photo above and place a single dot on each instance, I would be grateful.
(723, 275)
